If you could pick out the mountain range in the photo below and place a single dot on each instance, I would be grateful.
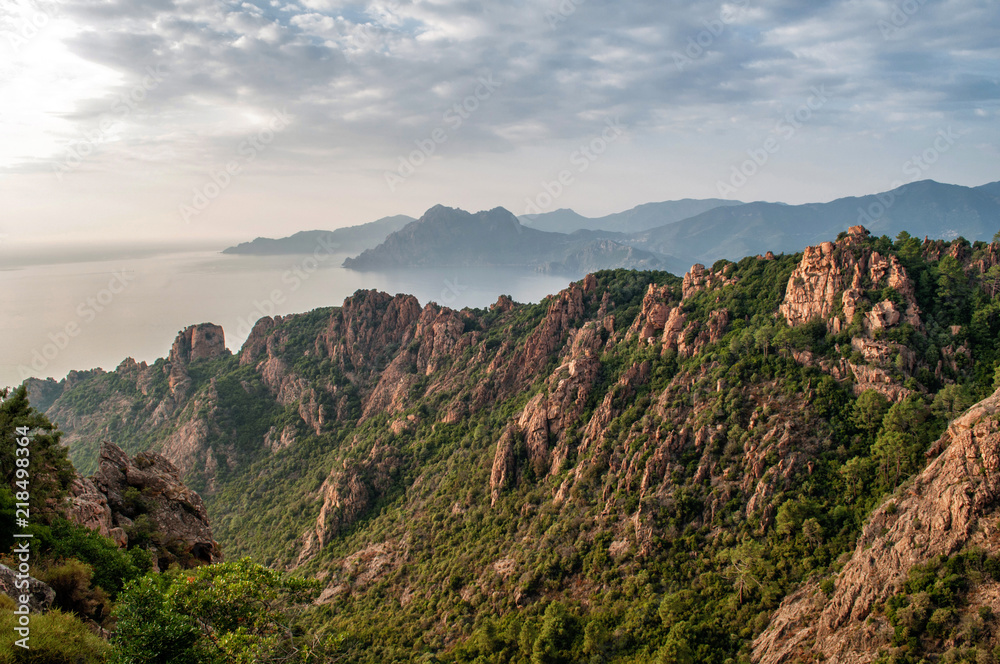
(670, 235)
(449, 237)
(638, 219)
(350, 239)
(788, 458)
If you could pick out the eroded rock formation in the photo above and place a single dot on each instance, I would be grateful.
(144, 498)
(952, 505)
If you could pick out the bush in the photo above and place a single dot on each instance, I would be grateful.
(56, 638)
(71, 579)
(112, 567)
(238, 612)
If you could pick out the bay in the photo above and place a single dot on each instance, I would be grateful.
(82, 312)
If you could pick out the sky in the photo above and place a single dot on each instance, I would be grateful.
(137, 120)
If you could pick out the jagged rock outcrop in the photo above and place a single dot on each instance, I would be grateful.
(197, 342)
(440, 333)
(565, 310)
(829, 270)
(149, 488)
(348, 492)
(953, 504)
(256, 344)
(698, 278)
(813, 286)
(88, 506)
(832, 282)
(368, 323)
(41, 595)
(503, 304)
(504, 463)
(662, 318)
(545, 421)
(653, 314)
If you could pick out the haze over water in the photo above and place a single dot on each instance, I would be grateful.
(76, 311)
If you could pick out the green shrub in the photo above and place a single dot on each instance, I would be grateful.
(55, 638)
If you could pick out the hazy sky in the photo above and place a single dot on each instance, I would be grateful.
(132, 119)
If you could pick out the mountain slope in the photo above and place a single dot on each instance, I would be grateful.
(639, 468)
(638, 219)
(949, 511)
(924, 208)
(449, 237)
(351, 239)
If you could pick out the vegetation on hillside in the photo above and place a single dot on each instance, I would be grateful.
(768, 467)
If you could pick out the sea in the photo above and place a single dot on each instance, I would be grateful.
(65, 310)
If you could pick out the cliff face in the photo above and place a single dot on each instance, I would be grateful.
(950, 507)
(831, 280)
(841, 285)
(135, 500)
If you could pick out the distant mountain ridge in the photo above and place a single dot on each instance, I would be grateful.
(649, 236)
(640, 218)
(924, 208)
(446, 236)
(351, 239)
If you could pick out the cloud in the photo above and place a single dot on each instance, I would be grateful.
(364, 80)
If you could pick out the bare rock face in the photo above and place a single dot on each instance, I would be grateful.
(503, 304)
(440, 333)
(653, 315)
(88, 507)
(829, 270)
(256, 344)
(392, 393)
(564, 311)
(348, 492)
(951, 505)
(883, 315)
(198, 342)
(151, 486)
(366, 324)
(698, 279)
(504, 464)
(843, 275)
(433, 340)
(546, 420)
(813, 286)
(41, 594)
(662, 317)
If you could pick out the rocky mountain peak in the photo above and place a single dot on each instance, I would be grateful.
(833, 279)
(662, 317)
(205, 341)
(698, 278)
